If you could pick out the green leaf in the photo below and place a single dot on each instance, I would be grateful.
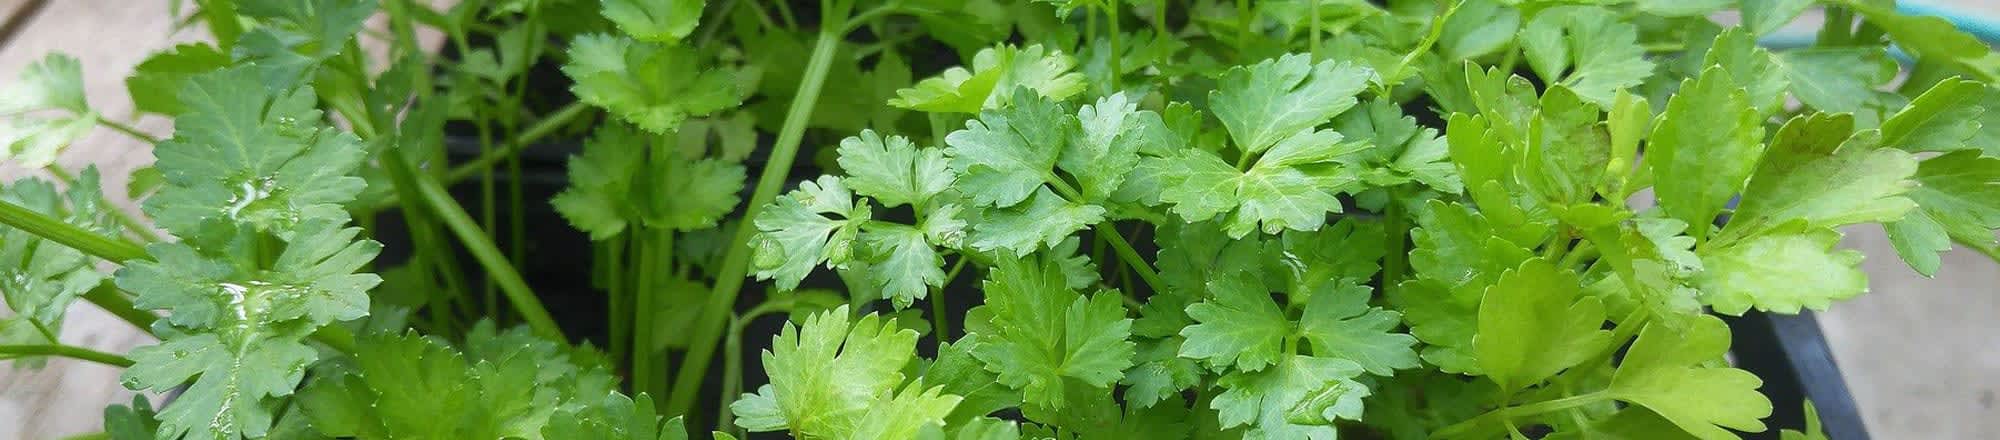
(133, 422)
(1958, 199)
(901, 262)
(1158, 373)
(649, 85)
(615, 417)
(892, 170)
(837, 378)
(45, 277)
(796, 233)
(254, 156)
(1045, 219)
(1400, 151)
(1761, 17)
(53, 83)
(1282, 98)
(1478, 28)
(1297, 398)
(615, 183)
(1002, 157)
(1942, 119)
(1592, 51)
(237, 326)
(1568, 151)
(659, 21)
(1671, 8)
(1812, 429)
(1240, 327)
(601, 182)
(1044, 333)
(1703, 149)
(1289, 187)
(996, 73)
(1566, 328)
(1780, 271)
(45, 112)
(1813, 173)
(1753, 68)
(1105, 147)
(1838, 79)
(964, 375)
(1341, 325)
(1667, 371)
(156, 83)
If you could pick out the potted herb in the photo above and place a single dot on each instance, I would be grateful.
(991, 219)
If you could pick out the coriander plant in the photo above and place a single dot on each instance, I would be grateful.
(989, 219)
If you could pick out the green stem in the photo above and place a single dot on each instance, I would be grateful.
(540, 129)
(732, 374)
(1313, 29)
(941, 325)
(114, 249)
(68, 351)
(126, 220)
(735, 264)
(1396, 260)
(1117, 58)
(649, 246)
(621, 316)
(1131, 257)
(477, 243)
(107, 296)
(128, 131)
(1506, 414)
(1424, 46)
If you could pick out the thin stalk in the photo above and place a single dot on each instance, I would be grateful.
(732, 373)
(68, 351)
(1396, 261)
(942, 325)
(107, 297)
(476, 242)
(1509, 413)
(540, 129)
(729, 280)
(125, 220)
(1111, 15)
(128, 130)
(1131, 257)
(1313, 29)
(114, 249)
(614, 286)
(647, 246)
(488, 218)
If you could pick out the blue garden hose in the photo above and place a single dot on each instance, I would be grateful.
(1978, 25)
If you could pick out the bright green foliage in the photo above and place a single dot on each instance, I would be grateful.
(39, 279)
(1812, 430)
(1941, 119)
(1589, 48)
(1958, 200)
(45, 111)
(241, 325)
(1297, 398)
(995, 75)
(1532, 324)
(649, 85)
(1704, 149)
(1838, 79)
(1006, 154)
(251, 155)
(1341, 325)
(836, 378)
(1814, 175)
(659, 21)
(1781, 271)
(1043, 334)
(1240, 327)
(894, 171)
(799, 234)
(1290, 187)
(622, 179)
(1270, 102)
(156, 83)
(1671, 372)
(617, 418)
